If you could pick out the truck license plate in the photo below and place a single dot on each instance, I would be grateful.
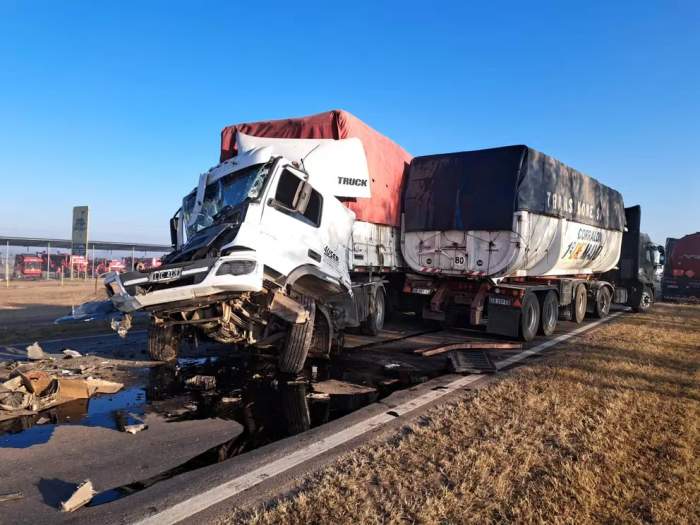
(422, 291)
(503, 301)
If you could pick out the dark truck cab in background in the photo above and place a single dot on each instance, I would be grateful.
(635, 275)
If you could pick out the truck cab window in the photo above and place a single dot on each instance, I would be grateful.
(287, 189)
(313, 209)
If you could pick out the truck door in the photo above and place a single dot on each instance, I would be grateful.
(290, 223)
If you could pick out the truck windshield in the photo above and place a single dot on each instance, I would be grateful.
(231, 190)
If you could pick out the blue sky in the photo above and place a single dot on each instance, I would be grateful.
(119, 105)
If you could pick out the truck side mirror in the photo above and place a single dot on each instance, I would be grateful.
(174, 223)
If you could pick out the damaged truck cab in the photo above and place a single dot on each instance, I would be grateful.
(263, 255)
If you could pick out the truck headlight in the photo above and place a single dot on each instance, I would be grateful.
(236, 267)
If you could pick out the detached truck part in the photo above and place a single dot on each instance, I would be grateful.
(681, 277)
(512, 239)
(290, 240)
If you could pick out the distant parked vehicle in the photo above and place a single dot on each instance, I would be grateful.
(27, 266)
(682, 269)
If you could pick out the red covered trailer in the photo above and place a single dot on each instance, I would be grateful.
(386, 160)
(682, 270)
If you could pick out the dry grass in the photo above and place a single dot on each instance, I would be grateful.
(28, 308)
(605, 429)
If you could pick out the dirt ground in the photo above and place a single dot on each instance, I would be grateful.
(603, 429)
(29, 308)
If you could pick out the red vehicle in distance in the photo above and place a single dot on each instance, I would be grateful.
(28, 266)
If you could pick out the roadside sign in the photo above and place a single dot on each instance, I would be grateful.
(80, 230)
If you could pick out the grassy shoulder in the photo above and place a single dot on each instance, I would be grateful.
(603, 429)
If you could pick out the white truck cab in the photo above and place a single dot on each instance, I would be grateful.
(263, 253)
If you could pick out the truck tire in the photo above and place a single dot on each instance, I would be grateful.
(163, 342)
(298, 341)
(377, 311)
(603, 298)
(549, 313)
(529, 317)
(645, 301)
(579, 305)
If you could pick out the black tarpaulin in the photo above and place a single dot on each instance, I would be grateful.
(480, 190)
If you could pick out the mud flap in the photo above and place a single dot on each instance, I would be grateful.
(503, 320)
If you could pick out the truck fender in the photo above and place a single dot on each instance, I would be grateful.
(309, 280)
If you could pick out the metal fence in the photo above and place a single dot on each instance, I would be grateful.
(50, 259)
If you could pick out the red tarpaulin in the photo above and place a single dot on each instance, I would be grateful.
(386, 160)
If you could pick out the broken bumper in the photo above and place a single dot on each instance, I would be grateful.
(185, 282)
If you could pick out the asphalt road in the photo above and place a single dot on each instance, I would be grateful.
(46, 462)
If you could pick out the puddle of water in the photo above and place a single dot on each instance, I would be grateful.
(248, 390)
(95, 412)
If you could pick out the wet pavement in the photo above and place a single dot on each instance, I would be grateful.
(214, 405)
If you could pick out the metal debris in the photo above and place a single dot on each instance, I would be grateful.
(70, 354)
(201, 382)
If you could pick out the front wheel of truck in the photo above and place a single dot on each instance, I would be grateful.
(298, 342)
(163, 342)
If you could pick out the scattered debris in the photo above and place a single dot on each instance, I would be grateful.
(341, 388)
(36, 353)
(473, 345)
(30, 391)
(391, 366)
(129, 423)
(471, 361)
(201, 382)
(70, 354)
(236, 399)
(11, 496)
(82, 496)
(318, 396)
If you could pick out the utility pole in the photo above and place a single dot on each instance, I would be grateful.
(48, 259)
(7, 265)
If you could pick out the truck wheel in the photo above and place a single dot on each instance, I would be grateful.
(550, 313)
(163, 342)
(529, 317)
(646, 300)
(579, 304)
(298, 342)
(377, 309)
(602, 302)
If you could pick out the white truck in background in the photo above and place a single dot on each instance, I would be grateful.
(267, 256)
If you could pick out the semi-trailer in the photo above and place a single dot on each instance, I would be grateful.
(681, 277)
(511, 239)
(290, 240)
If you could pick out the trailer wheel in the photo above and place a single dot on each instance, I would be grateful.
(529, 317)
(298, 342)
(163, 342)
(579, 305)
(377, 310)
(603, 298)
(549, 313)
(646, 300)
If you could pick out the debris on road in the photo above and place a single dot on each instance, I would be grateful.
(471, 361)
(11, 496)
(36, 353)
(82, 496)
(129, 423)
(30, 391)
(471, 345)
(201, 382)
(71, 354)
